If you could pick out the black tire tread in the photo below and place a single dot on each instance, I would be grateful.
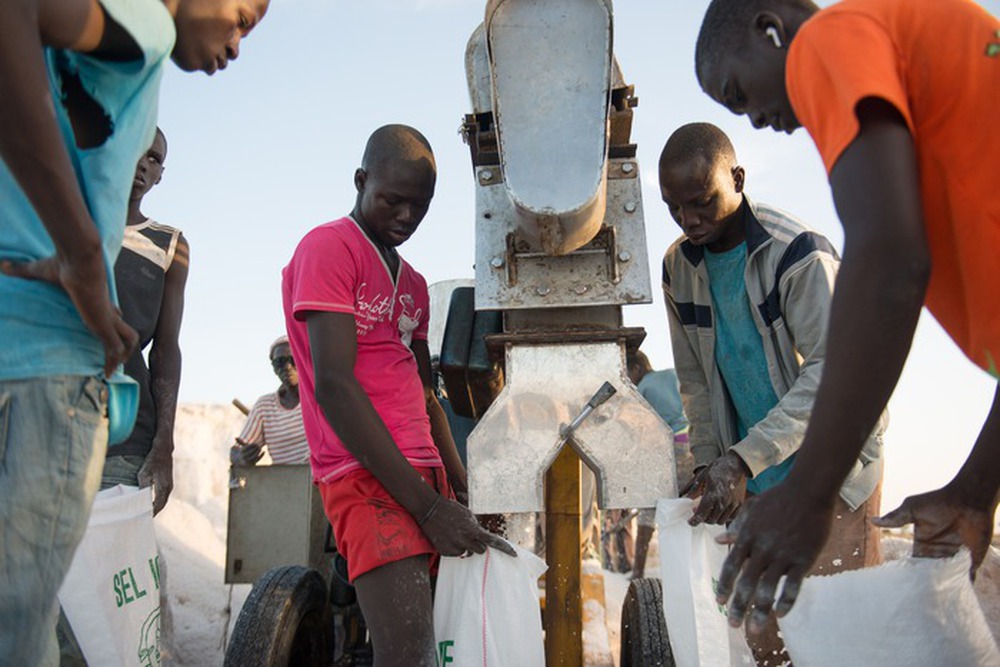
(644, 638)
(280, 600)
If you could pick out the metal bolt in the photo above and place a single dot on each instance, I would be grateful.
(497, 262)
(628, 167)
(624, 256)
(542, 290)
(630, 207)
(486, 176)
(580, 289)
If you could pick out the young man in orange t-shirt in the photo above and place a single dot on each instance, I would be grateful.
(901, 101)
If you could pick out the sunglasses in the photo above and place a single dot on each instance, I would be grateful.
(279, 362)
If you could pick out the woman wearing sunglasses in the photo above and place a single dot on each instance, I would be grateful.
(275, 421)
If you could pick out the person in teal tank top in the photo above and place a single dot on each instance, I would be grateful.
(748, 290)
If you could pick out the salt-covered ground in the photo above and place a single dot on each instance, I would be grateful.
(192, 533)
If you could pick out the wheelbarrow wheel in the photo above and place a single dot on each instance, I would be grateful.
(644, 641)
(286, 620)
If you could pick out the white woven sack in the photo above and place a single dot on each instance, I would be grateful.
(917, 612)
(111, 594)
(486, 611)
(690, 561)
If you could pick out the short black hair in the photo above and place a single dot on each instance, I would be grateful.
(697, 139)
(726, 26)
(398, 143)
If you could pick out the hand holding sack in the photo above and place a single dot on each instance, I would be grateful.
(486, 611)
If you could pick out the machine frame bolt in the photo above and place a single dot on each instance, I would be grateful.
(497, 262)
(628, 167)
(624, 256)
(630, 207)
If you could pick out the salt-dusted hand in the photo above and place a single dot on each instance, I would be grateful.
(245, 455)
(158, 471)
(722, 486)
(454, 531)
(84, 278)
(943, 522)
(777, 534)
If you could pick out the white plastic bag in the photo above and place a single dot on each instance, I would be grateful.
(690, 561)
(486, 611)
(913, 612)
(111, 595)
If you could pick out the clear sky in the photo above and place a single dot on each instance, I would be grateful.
(266, 150)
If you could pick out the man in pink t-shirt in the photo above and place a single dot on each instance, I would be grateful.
(380, 447)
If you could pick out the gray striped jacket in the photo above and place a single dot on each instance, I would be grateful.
(790, 273)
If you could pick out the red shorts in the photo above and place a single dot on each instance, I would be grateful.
(370, 527)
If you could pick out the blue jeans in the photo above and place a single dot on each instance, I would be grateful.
(122, 470)
(53, 435)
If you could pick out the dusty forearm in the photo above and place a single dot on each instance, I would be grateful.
(35, 153)
(353, 418)
(165, 371)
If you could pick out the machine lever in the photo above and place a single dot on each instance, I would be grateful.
(606, 391)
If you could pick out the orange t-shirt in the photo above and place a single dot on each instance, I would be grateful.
(938, 63)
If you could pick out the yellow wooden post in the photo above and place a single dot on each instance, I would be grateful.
(563, 604)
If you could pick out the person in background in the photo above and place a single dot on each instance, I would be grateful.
(275, 420)
(900, 99)
(748, 291)
(662, 391)
(79, 80)
(150, 273)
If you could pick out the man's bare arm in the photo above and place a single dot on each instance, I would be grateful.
(165, 378)
(879, 294)
(36, 157)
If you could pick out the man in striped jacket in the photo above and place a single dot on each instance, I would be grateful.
(748, 291)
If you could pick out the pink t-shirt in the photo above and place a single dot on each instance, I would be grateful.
(336, 268)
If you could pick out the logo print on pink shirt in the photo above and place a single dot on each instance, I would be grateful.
(369, 311)
(409, 319)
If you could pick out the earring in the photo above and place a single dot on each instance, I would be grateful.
(772, 32)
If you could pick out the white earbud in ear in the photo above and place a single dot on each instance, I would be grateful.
(772, 32)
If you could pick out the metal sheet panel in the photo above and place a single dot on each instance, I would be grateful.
(550, 66)
(516, 275)
(276, 518)
(626, 444)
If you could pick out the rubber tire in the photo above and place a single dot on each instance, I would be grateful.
(286, 620)
(644, 639)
